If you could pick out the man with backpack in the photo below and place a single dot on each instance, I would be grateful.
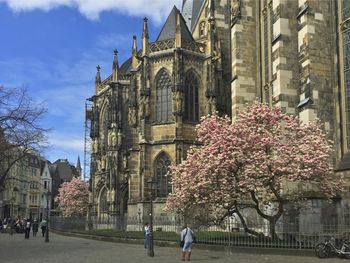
(187, 236)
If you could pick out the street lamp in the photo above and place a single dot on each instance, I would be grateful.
(150, 245)
(48, 196)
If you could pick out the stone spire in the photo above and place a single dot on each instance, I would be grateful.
(78, 167)
(145, 37)
(211, 9)
(134, 53)
(211, 28)
(115, 67)
(98, 78)
(178, 37)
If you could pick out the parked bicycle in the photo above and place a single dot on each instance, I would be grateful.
(329, 248)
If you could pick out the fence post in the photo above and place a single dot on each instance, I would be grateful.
(299, 238)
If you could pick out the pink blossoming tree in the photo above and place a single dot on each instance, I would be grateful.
(263, 160)
(73, 198)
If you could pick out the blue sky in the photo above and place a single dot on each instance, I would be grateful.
(53, 46)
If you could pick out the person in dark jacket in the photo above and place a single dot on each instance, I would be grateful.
(43, 226)
(35, 227)
(27, 229)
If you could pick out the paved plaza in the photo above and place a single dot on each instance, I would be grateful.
(63, 249)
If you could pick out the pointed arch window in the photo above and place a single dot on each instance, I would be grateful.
(103, 205)
(162, 177)
(164, 98)
(105, 122)
(191, 98)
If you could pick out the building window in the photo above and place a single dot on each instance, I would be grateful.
(164, 98)
(103, 205)
(191, 98)
(202, 29)
(45, 184)
(162, 177)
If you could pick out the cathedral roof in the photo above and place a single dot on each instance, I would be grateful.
(169, 28)
(190, 11)
(126, 66)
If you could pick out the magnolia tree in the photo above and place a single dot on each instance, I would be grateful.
(259, 162)
(73, 198)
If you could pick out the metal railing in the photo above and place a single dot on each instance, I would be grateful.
(290, 235)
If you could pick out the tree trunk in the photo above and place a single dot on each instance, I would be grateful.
(273, 234)
(245, 226)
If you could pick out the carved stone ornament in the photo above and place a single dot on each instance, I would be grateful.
(235, 11)
(144, 107)
(125, 161)
(112, 136)
(177, 102)
(94, 146)
(120, 138)
(132, 117)
(211, 105)
(98, 165)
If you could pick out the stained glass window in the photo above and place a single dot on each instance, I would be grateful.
(164, 99)
(163, 179)
(191, 98)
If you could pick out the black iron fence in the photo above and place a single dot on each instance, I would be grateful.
(289, 235)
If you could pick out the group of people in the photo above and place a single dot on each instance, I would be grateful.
(23, 225)
(187, 238)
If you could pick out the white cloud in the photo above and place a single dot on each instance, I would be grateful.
(155, 9)
(66, 141)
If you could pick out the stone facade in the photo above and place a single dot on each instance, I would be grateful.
(293, 54)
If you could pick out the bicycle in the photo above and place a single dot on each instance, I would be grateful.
(328, 248)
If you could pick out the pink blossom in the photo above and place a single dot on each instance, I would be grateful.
(251, 161)
(73, 198)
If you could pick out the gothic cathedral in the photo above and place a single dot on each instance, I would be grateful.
(213, 56)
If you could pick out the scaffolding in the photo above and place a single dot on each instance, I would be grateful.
(87, 138)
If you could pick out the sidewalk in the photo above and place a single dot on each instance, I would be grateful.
(225, 249)
(72, 248)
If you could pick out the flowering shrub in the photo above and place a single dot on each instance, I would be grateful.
(261, 161)
(73, 198)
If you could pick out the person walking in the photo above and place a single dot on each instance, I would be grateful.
(147, 235)
(27, 229)
(43, 226)
(35, 227)
(187, 235)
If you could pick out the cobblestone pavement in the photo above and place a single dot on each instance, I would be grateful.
(65, 249)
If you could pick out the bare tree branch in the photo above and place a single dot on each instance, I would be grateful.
(20, 129)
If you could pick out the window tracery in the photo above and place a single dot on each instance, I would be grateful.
(163, 97)
(191, 98)
(162, 177)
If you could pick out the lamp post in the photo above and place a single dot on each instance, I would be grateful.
(150, 245)
(48, 196)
